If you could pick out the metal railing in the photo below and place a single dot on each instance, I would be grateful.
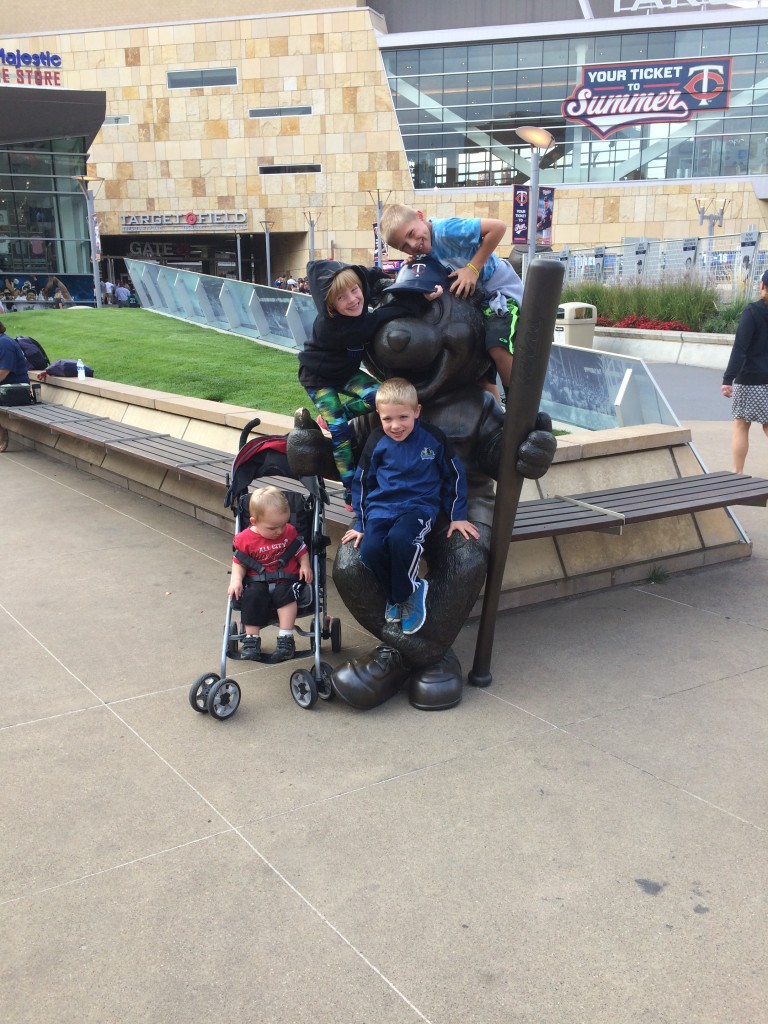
(271, 316)
(731, 264)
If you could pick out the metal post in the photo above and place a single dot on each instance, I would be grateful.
(267, 224)
(311, 220)
(539, 139)
(533, 341)
(84, 181)
(239, 258)
(379, 210)
(533, 205)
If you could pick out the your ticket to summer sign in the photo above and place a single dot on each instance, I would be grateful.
(613, 96)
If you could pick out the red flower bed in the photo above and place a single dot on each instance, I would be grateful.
(644, 323)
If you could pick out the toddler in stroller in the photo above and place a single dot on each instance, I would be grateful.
(295, 571)
(270, 562)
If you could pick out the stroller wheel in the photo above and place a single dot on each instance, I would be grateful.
(198, 692)
(223, 699)
(304, 688)
(325, 689)
(335, 635)
(232, 645)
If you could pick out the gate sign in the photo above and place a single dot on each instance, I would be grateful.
(613, 96)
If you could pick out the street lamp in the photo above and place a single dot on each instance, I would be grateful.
(85, 181)
(712, 219)
(539, 139)
(267, 224)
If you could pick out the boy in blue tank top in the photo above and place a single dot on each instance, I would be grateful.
(466, 246)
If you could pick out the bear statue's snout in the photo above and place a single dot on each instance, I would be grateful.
(398, 339)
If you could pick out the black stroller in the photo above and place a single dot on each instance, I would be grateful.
(259, 458)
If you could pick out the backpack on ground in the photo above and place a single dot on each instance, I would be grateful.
(34, 353)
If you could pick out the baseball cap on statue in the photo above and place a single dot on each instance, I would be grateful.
(423, 274)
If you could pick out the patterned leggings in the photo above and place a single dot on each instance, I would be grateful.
(337, 406)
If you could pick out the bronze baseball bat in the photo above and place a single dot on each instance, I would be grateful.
(533, 342)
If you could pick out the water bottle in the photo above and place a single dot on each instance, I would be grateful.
(80, 369)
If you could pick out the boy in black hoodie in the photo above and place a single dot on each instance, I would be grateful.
(329, 365)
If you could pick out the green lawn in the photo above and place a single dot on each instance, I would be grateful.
(135, 346)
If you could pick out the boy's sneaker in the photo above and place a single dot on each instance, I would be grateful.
(285, 649)
(250, 649)
(414, 610)
(393, 613)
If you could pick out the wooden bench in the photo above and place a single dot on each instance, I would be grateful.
(610, 510)
(606, 511)
(173, 454)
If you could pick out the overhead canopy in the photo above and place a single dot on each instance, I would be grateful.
(29, 114)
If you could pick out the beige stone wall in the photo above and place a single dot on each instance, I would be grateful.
(95, 14)
(198, 149)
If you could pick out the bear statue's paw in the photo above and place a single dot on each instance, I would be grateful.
(367, 683)
(309, 450)
(535, 454)
(438, 687)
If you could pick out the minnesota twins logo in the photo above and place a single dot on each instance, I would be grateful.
(612, 96)
(427, 453)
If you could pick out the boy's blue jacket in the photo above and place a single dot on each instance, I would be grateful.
(421, 472)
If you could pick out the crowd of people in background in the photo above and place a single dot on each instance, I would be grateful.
(291, 284)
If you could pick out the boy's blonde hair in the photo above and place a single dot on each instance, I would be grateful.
(393, 218)
(267, 497)
(397, 391)
(342, 282)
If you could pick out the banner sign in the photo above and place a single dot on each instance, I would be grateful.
(748, 248)
(192, 220)
(599, 254)
(21, 68)
(544, 214)
(520, 215)
(614, 96)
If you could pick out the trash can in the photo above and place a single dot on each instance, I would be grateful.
(575, 324)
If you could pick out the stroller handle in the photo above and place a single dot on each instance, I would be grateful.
(245, 432)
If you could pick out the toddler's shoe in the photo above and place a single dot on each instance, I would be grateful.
(393, 613)
(251, 649)
(285, 649)
(414, 610)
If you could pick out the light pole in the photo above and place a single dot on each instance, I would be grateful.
(539, 139)
(379, 210)
(312, 219)
(85, 181)
(267, 224)
(712, 219)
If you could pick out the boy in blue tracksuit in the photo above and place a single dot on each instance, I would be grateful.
(407, 474)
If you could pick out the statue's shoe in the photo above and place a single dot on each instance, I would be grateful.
(438, 687)
(368, 683)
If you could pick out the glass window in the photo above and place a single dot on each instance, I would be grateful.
(607, 48)
(505, 55)
(206, 77)
(555, 52)
(455, 59)
(407, 63)
(661, 45)
(480, 58)
(431, 61)
(634, 46)
(530, 54)
(742, 40)
(688, 44)
(581, 51)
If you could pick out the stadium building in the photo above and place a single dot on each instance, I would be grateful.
(241, 143)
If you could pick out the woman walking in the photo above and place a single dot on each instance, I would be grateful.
(745, 380)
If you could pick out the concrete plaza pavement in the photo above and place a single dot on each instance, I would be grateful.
(582, 843)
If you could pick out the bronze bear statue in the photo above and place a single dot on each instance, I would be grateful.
(442, 353)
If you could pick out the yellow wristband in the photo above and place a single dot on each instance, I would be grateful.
(473, 267)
